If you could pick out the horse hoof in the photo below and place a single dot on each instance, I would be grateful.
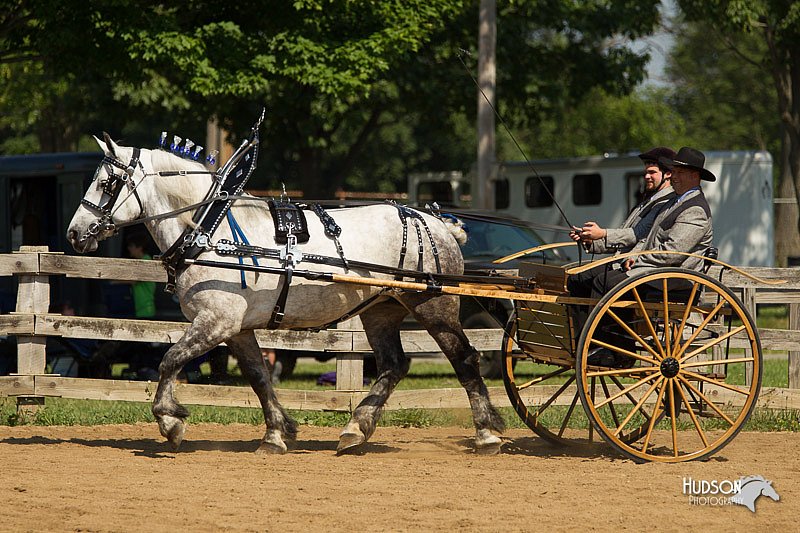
(172, 429)
(269, 448)
(348, 441)
(488, 449)
(272, 444)
(486, 443)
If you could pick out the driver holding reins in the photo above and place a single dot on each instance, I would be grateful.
(597, 240)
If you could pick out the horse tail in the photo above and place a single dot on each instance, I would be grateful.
(456, 228)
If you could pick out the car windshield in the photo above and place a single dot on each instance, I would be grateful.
(488, 239)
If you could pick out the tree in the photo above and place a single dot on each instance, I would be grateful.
(777, 23)
(351, 88)
(724, 95)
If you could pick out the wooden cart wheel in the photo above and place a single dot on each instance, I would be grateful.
(692, 372)
(545, 396)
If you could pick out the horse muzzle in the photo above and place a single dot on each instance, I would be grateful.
(82, 245)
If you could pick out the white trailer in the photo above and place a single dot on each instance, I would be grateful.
(604, 189)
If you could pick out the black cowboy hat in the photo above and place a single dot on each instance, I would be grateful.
(657, 153)
(689, 158)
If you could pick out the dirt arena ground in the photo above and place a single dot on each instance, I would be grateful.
(124, 478)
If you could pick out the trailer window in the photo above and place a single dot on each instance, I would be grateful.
(587, 189)
(501, 194)
(435, 191)
(539, 191)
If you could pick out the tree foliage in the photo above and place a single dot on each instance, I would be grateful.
(776, 23)
(358, 93)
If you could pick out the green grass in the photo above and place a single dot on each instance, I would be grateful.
(424, 374)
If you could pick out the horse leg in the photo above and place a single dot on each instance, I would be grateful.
(439, 316)
(279, 424)
(382, 326)
(203, 334)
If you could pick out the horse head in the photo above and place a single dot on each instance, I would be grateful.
(769, 491)
(112, 197)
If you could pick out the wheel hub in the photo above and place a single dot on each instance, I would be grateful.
(670, 367)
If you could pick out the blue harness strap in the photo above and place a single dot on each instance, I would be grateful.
(238, 233)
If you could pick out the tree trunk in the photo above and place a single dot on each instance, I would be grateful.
(787, 216)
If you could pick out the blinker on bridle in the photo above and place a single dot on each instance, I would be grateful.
(112, 187)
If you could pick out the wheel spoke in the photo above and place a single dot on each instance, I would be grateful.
(633, 400)
(627, 390)
(715, 382)
(653, 419)
(534, 381)
(623, 351)
(637, 406)
(633, 334)
(667, 351)
(714, 342)
(569, 414)
(686, 313)
(715, 362)
(622, 371)
(673, 423)
(700, 328)
(693, 416)
(705, 399)
(649, 325)
(611, 405)
(546, 404)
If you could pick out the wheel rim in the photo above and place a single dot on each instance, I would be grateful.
(692, 406)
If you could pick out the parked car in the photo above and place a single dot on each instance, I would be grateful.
(490, 237)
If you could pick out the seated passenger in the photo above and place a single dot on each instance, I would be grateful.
(683, 225)
(597, 240)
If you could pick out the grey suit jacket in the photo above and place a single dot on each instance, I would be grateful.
(635, 228)
(684, 225)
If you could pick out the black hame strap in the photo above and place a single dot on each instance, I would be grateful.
(405, 213)
(229, 183)
(332, 230)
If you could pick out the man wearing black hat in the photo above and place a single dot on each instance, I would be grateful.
(598, 240)
(684, 225)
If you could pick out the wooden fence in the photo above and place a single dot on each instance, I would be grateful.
(32, 324)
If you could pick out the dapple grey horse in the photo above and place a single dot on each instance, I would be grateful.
(220, 310)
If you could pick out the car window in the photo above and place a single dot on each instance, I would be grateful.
(494, 240)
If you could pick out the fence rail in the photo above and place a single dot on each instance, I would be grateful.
(31, 323)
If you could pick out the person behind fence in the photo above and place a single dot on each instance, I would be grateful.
(598, 240)
(143, 292)
(683, 225)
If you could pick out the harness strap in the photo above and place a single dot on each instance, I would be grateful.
(237, 233)
(279, 311)
(332, 230)
(404, 213)
(226, 247)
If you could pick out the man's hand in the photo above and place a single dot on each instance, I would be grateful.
(591, 232)
(628, 264)
(575, 234)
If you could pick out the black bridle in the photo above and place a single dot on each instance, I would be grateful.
(112, 187)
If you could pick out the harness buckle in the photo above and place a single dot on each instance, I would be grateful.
(291, 254)
(93, 229)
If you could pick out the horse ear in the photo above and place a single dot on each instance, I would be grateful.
(109, 143)
(100, 143)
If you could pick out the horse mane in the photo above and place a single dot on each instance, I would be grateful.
(181, 190)
(186, 190)
(745, 480)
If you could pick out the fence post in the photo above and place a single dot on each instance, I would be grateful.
(350, 366)
(33, 296)
(794, 357)
(749, 301)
